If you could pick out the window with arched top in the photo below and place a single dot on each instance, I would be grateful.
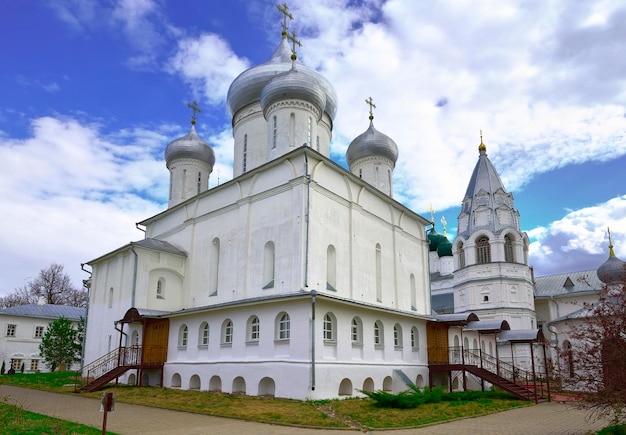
(283, 327)
(378, 334)
(413, 290)
(245, 153)
(214, 266)
(461, 251)
(329, 327)
(227, 332)
(356, 331)
(509, 253)
(254, 328)
(160, 289)
(415, 338)
(483, 250)
(203, 334)
(397, 335)
(199, 182)
(274, 132)
(568, 362)
(111, 297)
(183, 336)
(269, 261)
(331, 268)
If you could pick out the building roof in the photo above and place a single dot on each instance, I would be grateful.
(563, 284)
(45, 311)
(521, 336)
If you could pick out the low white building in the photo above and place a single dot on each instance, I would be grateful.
(22, 329)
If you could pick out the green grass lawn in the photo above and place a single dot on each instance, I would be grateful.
(356, 413)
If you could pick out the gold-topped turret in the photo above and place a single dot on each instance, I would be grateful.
(194, 107)
(611, 252)
(370, 102)
(482, 146)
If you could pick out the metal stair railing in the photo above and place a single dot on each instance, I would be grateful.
(121, 357)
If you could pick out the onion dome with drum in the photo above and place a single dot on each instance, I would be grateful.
(613, 270)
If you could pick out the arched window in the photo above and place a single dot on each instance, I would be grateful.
(356, 331)
(199, 182)
(568, 364)
(254, 330)
(483, 250)
(284, 327)
(485, 294)
(134, 338)
(274, 132)
(379, 282)
(111, 297)
(509, 254)
(160, 289)
(183, 336)
(415, 338)
(215, 266)
(461, 256)
(292, 129)
(227, 332)
(378, 334)
(309, 131)
(397, 335)
(269, 258)
(245, 152)
(329, 327)
(331, 268)
(203, 334)
(413, 292)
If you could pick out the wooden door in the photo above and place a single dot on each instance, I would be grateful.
(437, 336)
(155, 340)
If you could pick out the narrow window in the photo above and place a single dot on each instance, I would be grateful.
(245, 152)
(160, 290)
(309, 130)
(275, 133)
(317, 143)
(34, 365)
(214, 269)
(11, 330)
(204, 335)
(199, 182)
(415, 338)
(378, 334)
(269, 259)
(509, 256)
(461, 256)
(331, 268)
(284, 327)
(183, 336)
(292, 130)
(329, 327)
(111, 297)
(39, 331)
(360, 173)
(483, 251)
(397, 335)
(379, 282)
(413, 289)
(227, 332)
(253, 329)
(356, 331)
(184, 183)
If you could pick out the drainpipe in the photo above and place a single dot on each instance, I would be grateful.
(313, 294)
(132, 300)
(87, 285)
(306, 218)
(137, 226)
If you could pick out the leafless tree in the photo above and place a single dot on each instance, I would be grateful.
(594, 359)
(53, 284)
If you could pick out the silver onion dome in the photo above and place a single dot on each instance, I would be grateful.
(372, 143)
(247, 87)
(190, 146)
(612, 271)
(294, 84)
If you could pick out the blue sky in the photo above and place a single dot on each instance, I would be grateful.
(91, 93)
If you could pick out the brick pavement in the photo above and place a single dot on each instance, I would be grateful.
(543, 419)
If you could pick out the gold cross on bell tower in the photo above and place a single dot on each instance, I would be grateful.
(432, 212)
(294, 42)
(194, 107)
(284, 9)
(370, 102)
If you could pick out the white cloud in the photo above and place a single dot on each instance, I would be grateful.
(208, 65)
(579, 238)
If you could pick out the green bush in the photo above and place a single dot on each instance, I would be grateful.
(415, 397)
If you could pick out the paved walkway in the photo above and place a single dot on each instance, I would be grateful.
(543, 419)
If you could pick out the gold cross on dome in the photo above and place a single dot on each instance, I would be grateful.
(370, 102)
(294, 42)
(432, 212)
(284, 10)
(194, 107)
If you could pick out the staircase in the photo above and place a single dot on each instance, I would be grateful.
(521, 383)
(110, 366)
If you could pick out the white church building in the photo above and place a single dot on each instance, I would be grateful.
(301, 279)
